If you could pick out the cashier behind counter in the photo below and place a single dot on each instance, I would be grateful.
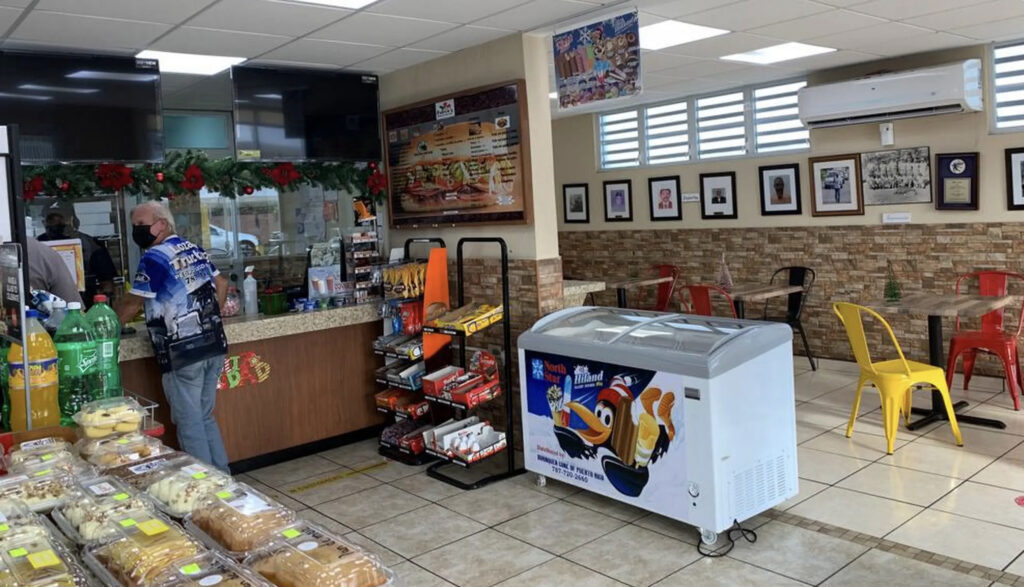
(61, 223)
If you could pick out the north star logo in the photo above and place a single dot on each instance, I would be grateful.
(582, 376)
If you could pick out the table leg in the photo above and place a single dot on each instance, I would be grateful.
(622, 297)
(737, 306)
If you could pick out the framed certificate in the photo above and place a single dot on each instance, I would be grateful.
(956, 177)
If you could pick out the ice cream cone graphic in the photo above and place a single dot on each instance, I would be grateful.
(646, 439)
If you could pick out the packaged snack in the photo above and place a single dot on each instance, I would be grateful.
(113, 451)
(41, 491)
(38, 561)
(142, 474)
(62, 460)
(33, 448)
(115, 415)
(238, 519)
(207, 569)
(307, 555)
(148, 544)
(19, 521)
(184, 483)
(87, 515)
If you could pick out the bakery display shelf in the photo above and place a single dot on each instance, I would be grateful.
(403, 455)
(404, 386)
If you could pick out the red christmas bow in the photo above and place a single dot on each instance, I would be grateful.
(114, 176)
(32, 188)
(377, 182)
(283, 174)
(193, 181)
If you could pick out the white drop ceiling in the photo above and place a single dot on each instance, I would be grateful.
(393, 34)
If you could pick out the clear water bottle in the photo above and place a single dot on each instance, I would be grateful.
(107, 328)
(52, 323)
(76, 359)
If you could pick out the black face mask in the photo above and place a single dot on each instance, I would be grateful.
(142, 236)
(56, 229)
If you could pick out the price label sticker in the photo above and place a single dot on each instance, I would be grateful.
(4, 527)
(42, 473)
(121, 497)
(17, 552)
(103, 488)
(290, 533)
(199, 475)
(43, 558)
(38, 443)
(223, 494)
(123, 441)
(153, 527)
(191, 569)
(127, 523)
(46, 457)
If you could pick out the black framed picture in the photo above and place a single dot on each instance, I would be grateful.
(618, 201)
(664, 197)
(1015, 178)
(780, 189)
(576, 203)
(718, 195)
(956, 181)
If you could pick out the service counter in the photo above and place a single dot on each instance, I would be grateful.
(293, 379)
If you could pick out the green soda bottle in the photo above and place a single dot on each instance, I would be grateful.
(76, 362)
(107, 328)
(5, 411)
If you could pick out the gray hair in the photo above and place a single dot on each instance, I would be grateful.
(159, 210)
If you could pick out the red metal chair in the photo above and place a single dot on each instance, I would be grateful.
(992, 338)
(665, 290)
(700, 302)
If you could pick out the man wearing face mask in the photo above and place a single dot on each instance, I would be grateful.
(182, 293)
(60, 223)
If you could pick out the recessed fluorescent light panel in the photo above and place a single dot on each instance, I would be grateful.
(190, 62)
(669, 33)
(58, 89)
(353, 4)
(777, 53)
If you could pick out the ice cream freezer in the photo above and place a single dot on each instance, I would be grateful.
(691, 417)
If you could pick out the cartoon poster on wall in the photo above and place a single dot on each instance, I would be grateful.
(599, 61)
(613, 430)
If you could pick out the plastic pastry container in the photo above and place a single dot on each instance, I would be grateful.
(208, 569)
(87, 515)
(41, 491)
(38, 561)
(148, 544)
(63, 460)
(18, 520)
(308, 555)
(183, 484)
(238, 520)
(114, 451)
(33, 448)
(143, 473)
(105, 417)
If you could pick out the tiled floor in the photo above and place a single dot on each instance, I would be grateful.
(931, 514)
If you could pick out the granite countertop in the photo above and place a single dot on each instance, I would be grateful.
(572, 287)
(246, 329)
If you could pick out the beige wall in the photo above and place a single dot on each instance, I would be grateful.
(508, 58)
(576, 162)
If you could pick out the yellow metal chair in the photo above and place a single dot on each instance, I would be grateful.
(894, 379)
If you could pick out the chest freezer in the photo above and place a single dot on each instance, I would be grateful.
(690, 417)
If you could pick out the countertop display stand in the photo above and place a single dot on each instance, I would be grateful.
(436, 470)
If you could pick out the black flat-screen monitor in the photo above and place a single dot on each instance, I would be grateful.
(305, 115)
(81, 108)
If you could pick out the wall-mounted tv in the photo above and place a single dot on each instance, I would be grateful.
(305, 115)
(81, 108)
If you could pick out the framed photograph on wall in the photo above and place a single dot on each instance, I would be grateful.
(780, 189)
(897, 176)
(576, 203)
(835, 185)
(718, 195)
(956, 181)
(1015, 178)
(664, 197)
(618, 201)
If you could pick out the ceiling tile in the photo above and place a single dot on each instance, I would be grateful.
(1001, 30)
(843, 3)
(825, 61)
(144, 10)
(267, 16)
(325, 52)
(865, 39)
(215, 42)
(970, 15)
(754, 13)
(460, 11)
(910, 8)
(716, 47)
(460, 38)
(657, 61)
(753, 75)
(536, 14)
(920, 43)
(7, 17)
(817, 25)
(398, 59)
(15, 3)
(292, 64)
(677, 8)
(87, 32)
(702, 68)
(171, 83)
(380, 29)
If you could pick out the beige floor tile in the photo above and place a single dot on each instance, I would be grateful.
(432, 527)
(967, 539)
(984, 502)
(408, 573)
(1002, 400)
(326, 521)
(842, 399)
(1016, 567)
(504, 500)
(559, 572)
(978, 382)
(976, 440)
(551, 487)
(386, 556)
(482, 559)
(371, 506)
(669, 527)
(1005, 472)
(813, 384)
(826, 467)
(871, 424)
(323, 488)
(358, 453)
(805, 432)
(635, 556)
(869, 514)
(288, 472)
(280, 497)
(797, 553)
(860, 446)
(724, 572)
(393, 471)
(560, 527)
(607, 506)
(819, 416)
(939, 458)
(807, 488)
(907, 485)
(426, 487)
(837, 365)
(877, 565)
(1014, 420)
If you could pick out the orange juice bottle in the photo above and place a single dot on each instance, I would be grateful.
(42, 369)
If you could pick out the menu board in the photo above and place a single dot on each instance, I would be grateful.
(459, 159)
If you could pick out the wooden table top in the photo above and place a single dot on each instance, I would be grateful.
(756, 292)
(948, 305)
(637, 282)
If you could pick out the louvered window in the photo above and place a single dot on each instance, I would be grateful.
(619, 139)
(777, 125)
(1008, 62)
(667, 133)
(721, 125)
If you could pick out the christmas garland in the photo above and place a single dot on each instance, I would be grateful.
(185, 173)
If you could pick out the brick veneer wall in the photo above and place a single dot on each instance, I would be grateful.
(850, 262)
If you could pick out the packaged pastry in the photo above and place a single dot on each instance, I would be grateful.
(113, 451)
(41, 491)
(238, 519)
(207, 569)
(38, 561)
(33, 448)
(115, 415)
(19, 522)
(307, 555)
(87, 515)
(142, 474)
(148, 544)
(186, 480)
(63, 460)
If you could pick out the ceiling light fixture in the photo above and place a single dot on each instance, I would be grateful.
(669, 33)
(58, 89)
(777, 53)
(113, 76)
(353, 4)
(190, 63)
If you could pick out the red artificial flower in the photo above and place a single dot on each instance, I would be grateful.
(377, 182)
(32, 188)
(283, 174)
(114, 176)
(193, 181)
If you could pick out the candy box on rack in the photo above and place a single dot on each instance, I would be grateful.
(435, 383)
(433, 439)
(387, 398)
(413, 441)
(485, 392)
(484, 363)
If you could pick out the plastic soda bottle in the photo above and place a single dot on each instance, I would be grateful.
(76, 353)
(107, 327)
(5, 410)
(42, 374)
(60, 309)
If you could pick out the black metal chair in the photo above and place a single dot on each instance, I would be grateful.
(802, 276)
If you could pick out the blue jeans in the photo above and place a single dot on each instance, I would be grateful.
(192, 391)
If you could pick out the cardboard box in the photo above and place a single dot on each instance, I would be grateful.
(479, 394)
(434, 383)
